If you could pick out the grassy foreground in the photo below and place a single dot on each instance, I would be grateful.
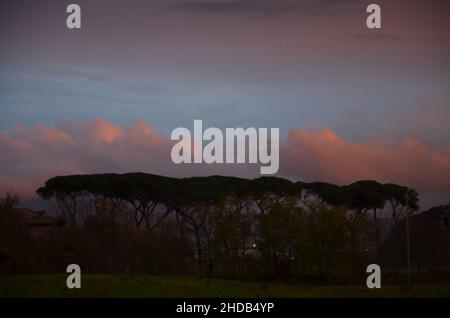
(160, 286)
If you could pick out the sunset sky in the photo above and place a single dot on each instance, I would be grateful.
(351, 103)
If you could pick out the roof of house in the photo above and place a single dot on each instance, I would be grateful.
(436, 211)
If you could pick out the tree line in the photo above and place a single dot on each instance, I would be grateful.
(228, 226)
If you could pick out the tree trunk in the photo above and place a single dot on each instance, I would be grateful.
(377, 233)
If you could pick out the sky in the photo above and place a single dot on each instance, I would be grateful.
(351, 103)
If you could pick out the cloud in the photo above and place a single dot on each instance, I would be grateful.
(30, 156)
(259, 7)
(376, 36)
(324, 155)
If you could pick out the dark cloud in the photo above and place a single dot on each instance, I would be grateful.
(376, 36)
(260, 7)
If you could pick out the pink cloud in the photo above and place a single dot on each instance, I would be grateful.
(30, 156)
(324, 155)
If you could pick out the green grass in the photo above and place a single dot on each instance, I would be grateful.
(161, 286)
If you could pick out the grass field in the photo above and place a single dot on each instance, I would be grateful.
(160, 286)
